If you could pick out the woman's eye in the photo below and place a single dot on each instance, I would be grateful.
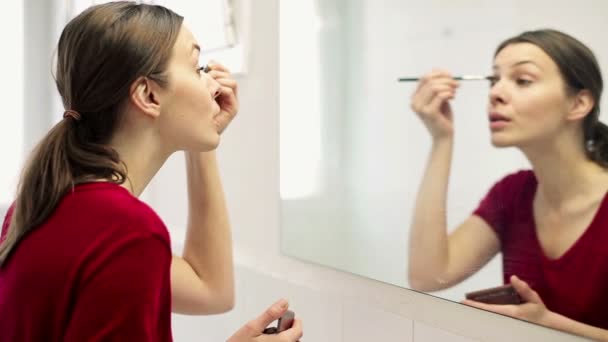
(523, 82)
(203, 68)
(493, 80)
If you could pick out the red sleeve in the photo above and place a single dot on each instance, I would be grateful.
(125, 296)
(497, 206)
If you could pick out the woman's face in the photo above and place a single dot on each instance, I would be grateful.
(528, 101)
(189, 106)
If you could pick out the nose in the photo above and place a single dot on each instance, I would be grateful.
(497, 93)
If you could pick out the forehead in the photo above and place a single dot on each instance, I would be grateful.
(517, 52)
(183, 48)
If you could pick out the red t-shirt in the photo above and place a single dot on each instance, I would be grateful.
(574, 285)
(97, 269)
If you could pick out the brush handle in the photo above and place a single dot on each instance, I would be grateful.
(458, 78)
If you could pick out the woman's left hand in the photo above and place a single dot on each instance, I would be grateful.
(533, 309)
(228, 98)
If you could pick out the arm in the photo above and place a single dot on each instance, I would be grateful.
(559, 322)
(202, 279)
(124, 294)
(436, 260)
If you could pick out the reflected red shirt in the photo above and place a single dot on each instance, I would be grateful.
(574, 285)
(97, 269)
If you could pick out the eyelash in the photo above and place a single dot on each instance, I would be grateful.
(204, 68)
(523, 82)
(520, 81)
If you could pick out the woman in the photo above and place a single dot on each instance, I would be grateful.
(82, 259)
(550, 222)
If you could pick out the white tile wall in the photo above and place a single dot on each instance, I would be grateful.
(363, 324)
(365, 311)
(426, 333)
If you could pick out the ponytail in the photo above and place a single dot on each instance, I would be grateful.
(59, 161)
(100, 53)
(597, 144)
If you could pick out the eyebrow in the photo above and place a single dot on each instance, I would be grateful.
(196, 47)
(519, 63)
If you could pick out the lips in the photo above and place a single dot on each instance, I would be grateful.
(497, 117)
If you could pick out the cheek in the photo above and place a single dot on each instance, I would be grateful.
(540, 104)
(192, 95)
(543, 115)
(198, 93)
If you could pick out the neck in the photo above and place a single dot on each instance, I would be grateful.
(143, 156)
(564, 172)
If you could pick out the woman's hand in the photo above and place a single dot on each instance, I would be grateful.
(252, 331)
(228, 98)
(430, 102)
(533, 309)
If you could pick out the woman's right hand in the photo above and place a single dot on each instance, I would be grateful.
(253, 330)
(431, 102)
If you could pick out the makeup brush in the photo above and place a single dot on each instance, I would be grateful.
(458, 78)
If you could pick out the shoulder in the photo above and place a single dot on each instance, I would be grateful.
(512, 186)
(516, 182)
(116, 207)
(520, 177)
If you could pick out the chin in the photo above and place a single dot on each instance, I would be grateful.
(212, 142)
(501, 142)
(204, 144)
(208, 146)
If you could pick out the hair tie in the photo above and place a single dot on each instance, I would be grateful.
(73, 114)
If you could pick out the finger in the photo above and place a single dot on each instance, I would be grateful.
(294, 333)
(435, 105)
(230, 83)
(255, 327)
(443, 76)
(525, 291)
(427, 78)
(227, 98)
(213, 65)
(268, 316)
(428, 93)
(500, 309)
(219, 74)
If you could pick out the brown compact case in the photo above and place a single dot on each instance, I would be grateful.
(505, 294)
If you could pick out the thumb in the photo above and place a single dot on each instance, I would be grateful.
(271, 314)
(256, 326)
(525, 291)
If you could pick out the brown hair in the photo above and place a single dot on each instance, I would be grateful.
(100, 53)
(579, 70)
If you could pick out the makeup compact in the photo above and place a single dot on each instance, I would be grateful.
(505, 294)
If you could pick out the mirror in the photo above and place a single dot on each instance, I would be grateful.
(352, 151)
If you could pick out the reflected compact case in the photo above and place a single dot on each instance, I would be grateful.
(505, 294)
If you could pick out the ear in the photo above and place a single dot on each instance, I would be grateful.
(581, 105)
(145, 96)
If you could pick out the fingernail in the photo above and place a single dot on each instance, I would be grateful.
(281, 304)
